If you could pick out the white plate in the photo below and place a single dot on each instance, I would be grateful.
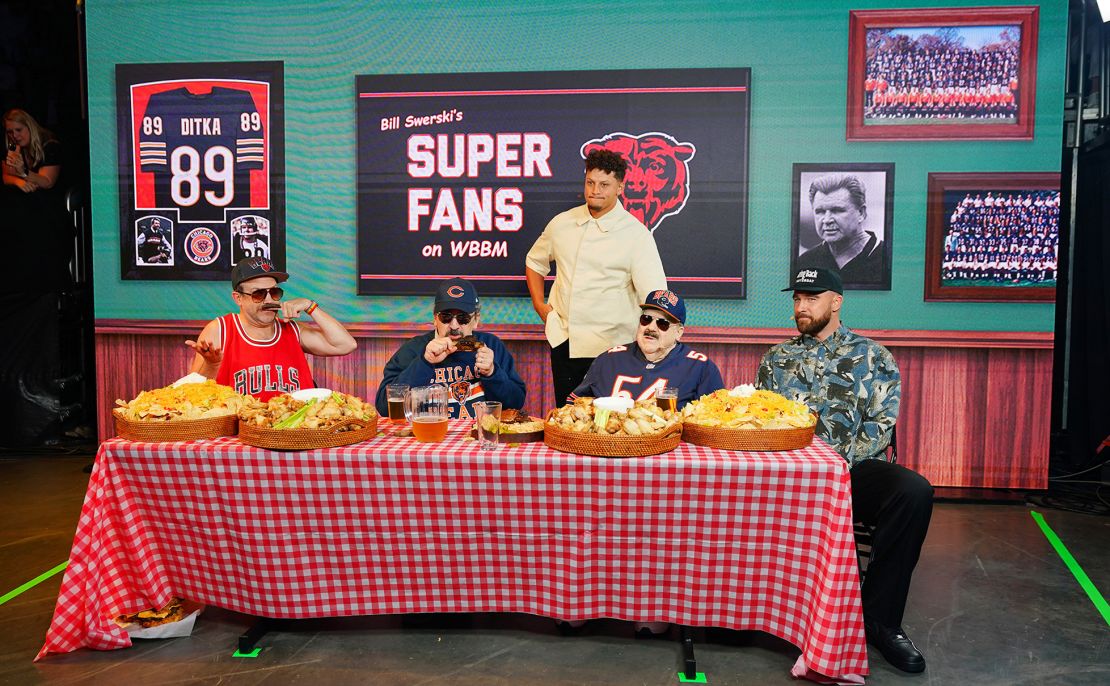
(306, 394)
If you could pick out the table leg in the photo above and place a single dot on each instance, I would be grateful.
(689, 664)
(248, 639)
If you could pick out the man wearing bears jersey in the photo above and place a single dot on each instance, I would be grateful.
(260, 349)
(657, 358)
(474, 366)
(251, 240)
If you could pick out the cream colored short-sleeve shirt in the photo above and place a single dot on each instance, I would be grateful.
(605, 268)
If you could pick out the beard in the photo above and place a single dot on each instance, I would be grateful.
(813, 325)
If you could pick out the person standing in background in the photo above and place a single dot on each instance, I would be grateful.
(606, 264)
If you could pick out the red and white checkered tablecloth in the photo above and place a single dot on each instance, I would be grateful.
(702, 537)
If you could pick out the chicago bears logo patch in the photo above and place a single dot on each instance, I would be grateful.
(460, 390)
(202, 246)
(657, 184)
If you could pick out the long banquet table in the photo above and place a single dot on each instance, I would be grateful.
(698, 536)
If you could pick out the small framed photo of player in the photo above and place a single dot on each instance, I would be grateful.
(942, 74)
(154, 241)
(992, 237)
(250, 237)
(843, 220)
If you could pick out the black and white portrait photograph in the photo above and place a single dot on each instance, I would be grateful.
(843, 220)
(154, 242)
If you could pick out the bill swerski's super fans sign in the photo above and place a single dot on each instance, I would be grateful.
(458, 174)
(201, 159)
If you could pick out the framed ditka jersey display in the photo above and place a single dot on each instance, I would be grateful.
(202, 168)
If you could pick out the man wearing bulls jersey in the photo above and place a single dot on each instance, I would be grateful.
(260, 350)
(657, 358)
(473, 365)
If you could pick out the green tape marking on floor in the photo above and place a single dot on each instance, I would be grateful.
(253, 653)
(32, 583)
(699, 679)
(1076, 570)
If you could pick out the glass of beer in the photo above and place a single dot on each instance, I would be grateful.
(667, 398)
(395, 396)
(428, 408)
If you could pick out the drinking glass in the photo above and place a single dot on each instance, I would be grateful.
(395, 396)
(487, 424)
(428, 408)
(666, 398)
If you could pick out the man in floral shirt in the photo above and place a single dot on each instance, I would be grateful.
(853, 385)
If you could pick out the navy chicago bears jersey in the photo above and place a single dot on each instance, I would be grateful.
(201, 149)
(624, 370)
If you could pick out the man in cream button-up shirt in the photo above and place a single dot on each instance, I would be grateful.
(606, 265)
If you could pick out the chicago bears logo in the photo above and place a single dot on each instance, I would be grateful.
(666, 296)
(202, 246)
(455, 291)
(460, 390)
(657, 184)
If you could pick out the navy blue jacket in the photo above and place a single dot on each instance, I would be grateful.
(457, 372)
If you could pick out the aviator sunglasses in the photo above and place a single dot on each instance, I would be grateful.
(461, 317)
(260, 294)
(660, 322)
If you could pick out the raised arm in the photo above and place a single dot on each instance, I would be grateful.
(328, 337)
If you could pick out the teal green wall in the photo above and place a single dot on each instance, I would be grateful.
(797, 52)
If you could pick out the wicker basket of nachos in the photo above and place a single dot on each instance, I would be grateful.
(184, 412)
(285, 423)
(746, 419)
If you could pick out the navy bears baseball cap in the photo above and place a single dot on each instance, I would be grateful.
(669, 303)
(456, 294)
(254, 267)
(816, 280)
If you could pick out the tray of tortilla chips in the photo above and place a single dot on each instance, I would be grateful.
(184, 412)
(639, 431)
(286, 423)
(516, 426)
(746, 419)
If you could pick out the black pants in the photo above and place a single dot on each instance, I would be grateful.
(899, 503)
(567, 372)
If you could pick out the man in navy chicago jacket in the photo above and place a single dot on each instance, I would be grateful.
(657, 358)
(444, 356)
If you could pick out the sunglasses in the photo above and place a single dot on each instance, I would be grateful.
(660, 322)
(461, 317)
(260, 294)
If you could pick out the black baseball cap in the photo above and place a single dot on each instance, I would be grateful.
(816, 280)
(254, 267)
(456, 294)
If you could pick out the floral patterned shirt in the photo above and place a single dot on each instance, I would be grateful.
(850, 381)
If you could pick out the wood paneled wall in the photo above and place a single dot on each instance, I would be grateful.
(975, 406)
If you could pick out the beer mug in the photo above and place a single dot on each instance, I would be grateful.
(427, 408)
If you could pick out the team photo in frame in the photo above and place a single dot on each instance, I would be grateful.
(992, 237)
(201, 167)
(942, 74)
(843, 219)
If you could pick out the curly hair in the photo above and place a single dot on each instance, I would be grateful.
(39, 136)
(607, 161)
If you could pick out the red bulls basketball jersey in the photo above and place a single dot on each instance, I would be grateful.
(262, 368)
